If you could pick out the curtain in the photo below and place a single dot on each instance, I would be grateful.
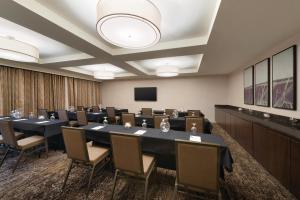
(83, 92)
(29, 91)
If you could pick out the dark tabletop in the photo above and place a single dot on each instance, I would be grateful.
(162, 145)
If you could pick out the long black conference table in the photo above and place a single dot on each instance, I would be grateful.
(161, 145)
(177, 124)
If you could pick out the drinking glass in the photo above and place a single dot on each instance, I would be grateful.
(31, 115)
(194, 128)
(144, 124)
(164, 126)
(52, 117)
(105, 122)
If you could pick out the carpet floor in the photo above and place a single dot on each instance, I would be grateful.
(41, 179)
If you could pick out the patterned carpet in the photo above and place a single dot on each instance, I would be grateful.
(41, 178)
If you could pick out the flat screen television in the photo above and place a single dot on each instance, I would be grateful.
(145, 94)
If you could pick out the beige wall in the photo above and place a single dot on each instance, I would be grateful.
(181, 93)
(235, 81)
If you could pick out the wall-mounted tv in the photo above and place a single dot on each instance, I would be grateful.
(145, 94)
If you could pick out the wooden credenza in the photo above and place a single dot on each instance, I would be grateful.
(275, 146)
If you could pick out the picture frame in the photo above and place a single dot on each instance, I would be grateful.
(284, 79)
(249, 86)
(262, 83)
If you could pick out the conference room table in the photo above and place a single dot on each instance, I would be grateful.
(180, 113)
(161, 145)
(175, 123)
(46, 127)
(91, 116)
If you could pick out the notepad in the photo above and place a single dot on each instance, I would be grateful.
(140, 132)
(195, 138)
(42, 122)
(16, 120)
(4, 118)
(97, 127)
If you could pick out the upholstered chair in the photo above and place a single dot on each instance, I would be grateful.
(129, 160)
(63, 115)
(23, 146)
(147, 111)
(82, 153)
(194, 113)
(43, 112)
(128, 117)
(169, 112)
(201, 174)
(158, 119)
(198, 121)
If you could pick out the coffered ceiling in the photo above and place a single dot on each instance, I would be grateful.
(206, 37)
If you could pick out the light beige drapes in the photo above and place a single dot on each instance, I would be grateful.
(29, 91)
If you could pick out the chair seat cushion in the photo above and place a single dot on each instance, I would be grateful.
(17, 134)
(148, 162)
(96, 154)
(73, 123)
(29, 142)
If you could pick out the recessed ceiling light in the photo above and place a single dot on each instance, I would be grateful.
(167, 71)
(129, 24)
(15, 50)
(104, 75)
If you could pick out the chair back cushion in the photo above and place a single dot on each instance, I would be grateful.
(195, 113)
(169, 112)
(158, 119)
(43, 112)
(8, 134)
(127, 153)
(95, 109)
(128, 117)
(147, 111)
(81, 118)
(63, 115)
(75, 143)
(111, 113)
(197, 165)
(199, 121)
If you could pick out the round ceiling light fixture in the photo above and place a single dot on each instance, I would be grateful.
(104, 75)
(167, 71)
(129, 24)
(15, 50)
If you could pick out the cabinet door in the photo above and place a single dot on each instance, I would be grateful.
(227, 123)
(279, 156)
(244, 135)
(260, 144)
(295, 168)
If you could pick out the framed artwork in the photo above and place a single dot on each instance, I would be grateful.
(248, 86)
(262, 83)
(284, 79)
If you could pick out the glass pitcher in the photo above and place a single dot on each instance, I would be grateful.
(105, 122)
(194, 128)
(144, 124)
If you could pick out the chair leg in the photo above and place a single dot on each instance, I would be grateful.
(18, 160)
(46, 147)
(175, 190)
(90, 180)
(5, 154)
(115, 181)
(146, 188)
(67, 175)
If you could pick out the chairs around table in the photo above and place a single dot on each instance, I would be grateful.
(158, 119)
(198, 175)
(82, 118)
(80, 152)
(198, 121)
(169, 112)
(111, 114)
(43, 112)
(194, 113)
(95, 109)
(129, 160)
(128, 118)
(11, 142)
(63, 115)
(147, 111)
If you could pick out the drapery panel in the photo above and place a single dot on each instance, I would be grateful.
(30, 90)
(83, 92)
